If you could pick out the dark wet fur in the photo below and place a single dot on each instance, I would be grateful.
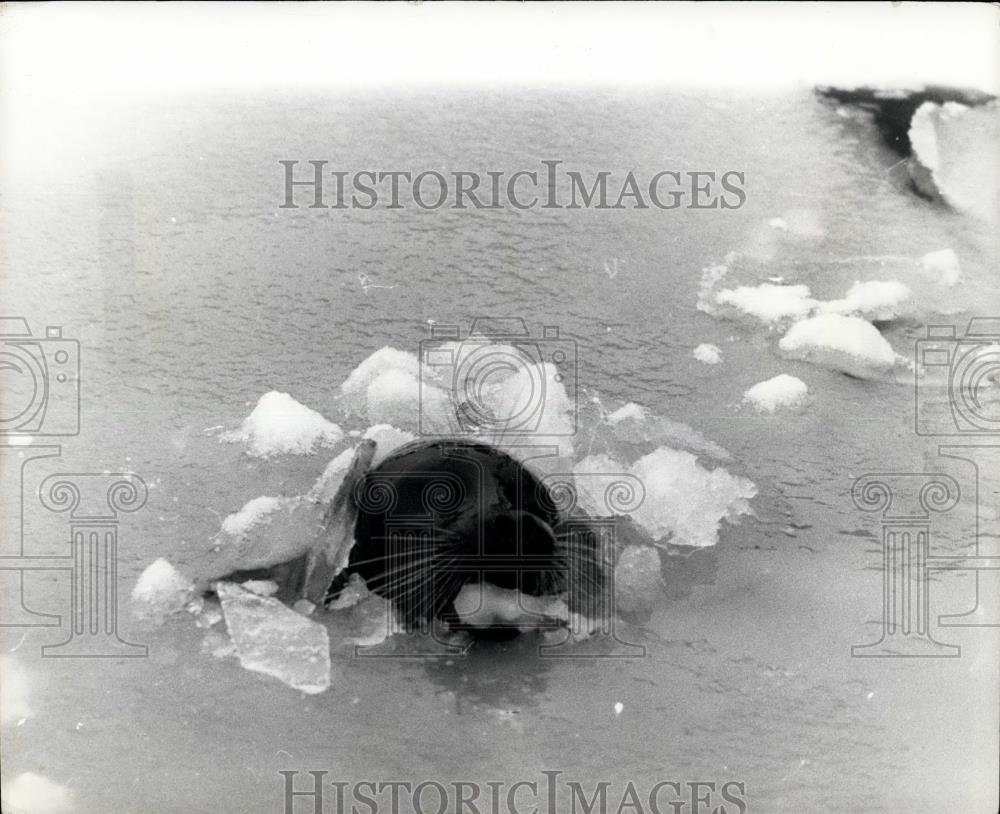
(503, 529)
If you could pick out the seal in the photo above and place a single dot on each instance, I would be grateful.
(437, 516)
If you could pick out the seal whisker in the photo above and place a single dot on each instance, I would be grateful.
(420, 601)
(414, 571)
(495, 522)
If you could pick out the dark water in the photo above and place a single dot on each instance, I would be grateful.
(153, 235)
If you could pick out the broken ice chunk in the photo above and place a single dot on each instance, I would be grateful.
(880, 300)
(279, 425)
(638, 581)
(387, 440)
(708, 354)
(848, 344)
(773, 305)
(160, 591)
(367, 623)
(350, 594)
(265, 532)
(943, 266)
(273, 639)
(781, 392)
(329, 482)
(261, 587)
(687, 500)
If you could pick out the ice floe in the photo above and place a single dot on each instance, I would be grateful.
(393, 387)
(708, 354)
(848, 344)
(782, 391)
(667, 493)
(367, 622)
(355, 386)
(351, 594)
(254, 513)
(685, 500)
(497, 392)
(524, 403)
(392, 397)
(265, 532)
(955, 156)
(160, 591)
(836, 333)
(771, 304)
(638, 579)
(387, 440)
(778, 306)
(878, 300)
(635, 426)
(328, 483)
(261, 587)
(279, 425)
(629, 411)
(942, 266)
(271, 638)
